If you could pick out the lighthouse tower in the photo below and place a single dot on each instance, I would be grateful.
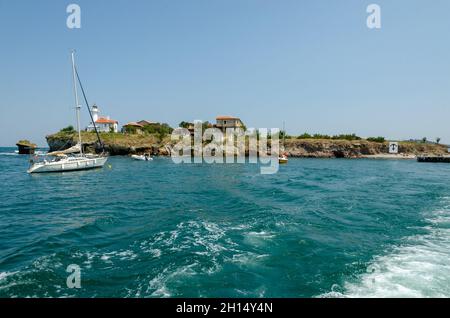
(95, 112)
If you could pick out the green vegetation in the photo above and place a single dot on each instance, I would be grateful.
(162, 129)
(27, 143)
(185, 124)
(283, 134)
(68, 129)
(129, 130)
(350, 137)
(157, 129)
(118, 139)
(376, 139)
(206, 125)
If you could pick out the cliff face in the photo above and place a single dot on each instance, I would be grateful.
(115, 144)
(120, 144)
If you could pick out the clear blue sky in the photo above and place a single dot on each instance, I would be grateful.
(313, 64)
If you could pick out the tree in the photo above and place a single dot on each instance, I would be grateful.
(438, 140)
(305, 136)
(158, 128)
(349, 137)
(376, 139)
(424, 139)
(205, 125)
(163, 130)
(184, 124)
(68, 129)
(129, 129)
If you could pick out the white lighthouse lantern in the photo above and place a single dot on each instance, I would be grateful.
(95, 112)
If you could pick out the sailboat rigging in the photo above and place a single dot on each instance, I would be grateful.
(89, 110)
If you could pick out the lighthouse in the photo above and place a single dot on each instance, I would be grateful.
(95, 112)
(102, 123)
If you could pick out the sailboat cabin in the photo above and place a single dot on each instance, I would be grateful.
(103, 124)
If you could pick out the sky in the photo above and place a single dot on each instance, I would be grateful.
(314, 65)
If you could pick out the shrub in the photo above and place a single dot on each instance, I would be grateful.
(305, 136)
(160, 129)
(283, 134)
(129, 130)
(184, 124)
(376, 139)
(320, 136)
(346, 137)
(335, 137)
(68, 129)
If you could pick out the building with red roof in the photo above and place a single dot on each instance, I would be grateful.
(224, 122)
(103, 124)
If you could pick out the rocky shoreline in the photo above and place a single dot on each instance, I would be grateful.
(120, 144)
(311, 148)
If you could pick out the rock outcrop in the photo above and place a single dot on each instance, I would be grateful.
(114, 143)
(26, 147)
(311, 148)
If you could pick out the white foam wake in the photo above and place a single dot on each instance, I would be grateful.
(4, 275)
(418, 268)
(8, 154)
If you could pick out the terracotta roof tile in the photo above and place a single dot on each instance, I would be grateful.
(226, 118)
(133, 124)
(103, 120)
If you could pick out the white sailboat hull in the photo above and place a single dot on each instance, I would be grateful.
(70, 164)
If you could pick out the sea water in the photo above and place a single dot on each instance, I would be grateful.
(317, 228)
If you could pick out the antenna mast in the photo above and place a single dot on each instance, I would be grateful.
(77, 104)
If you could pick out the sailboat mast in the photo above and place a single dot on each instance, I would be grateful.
(77, 104)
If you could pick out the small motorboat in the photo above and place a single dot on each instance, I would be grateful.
(145, 157)
(283, 159)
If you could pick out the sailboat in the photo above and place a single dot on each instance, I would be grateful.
(72, 159)
(282, 158)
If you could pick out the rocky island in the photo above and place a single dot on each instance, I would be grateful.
(26, 147)
(160, 145)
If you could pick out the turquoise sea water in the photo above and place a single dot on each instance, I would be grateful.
(318, 228)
